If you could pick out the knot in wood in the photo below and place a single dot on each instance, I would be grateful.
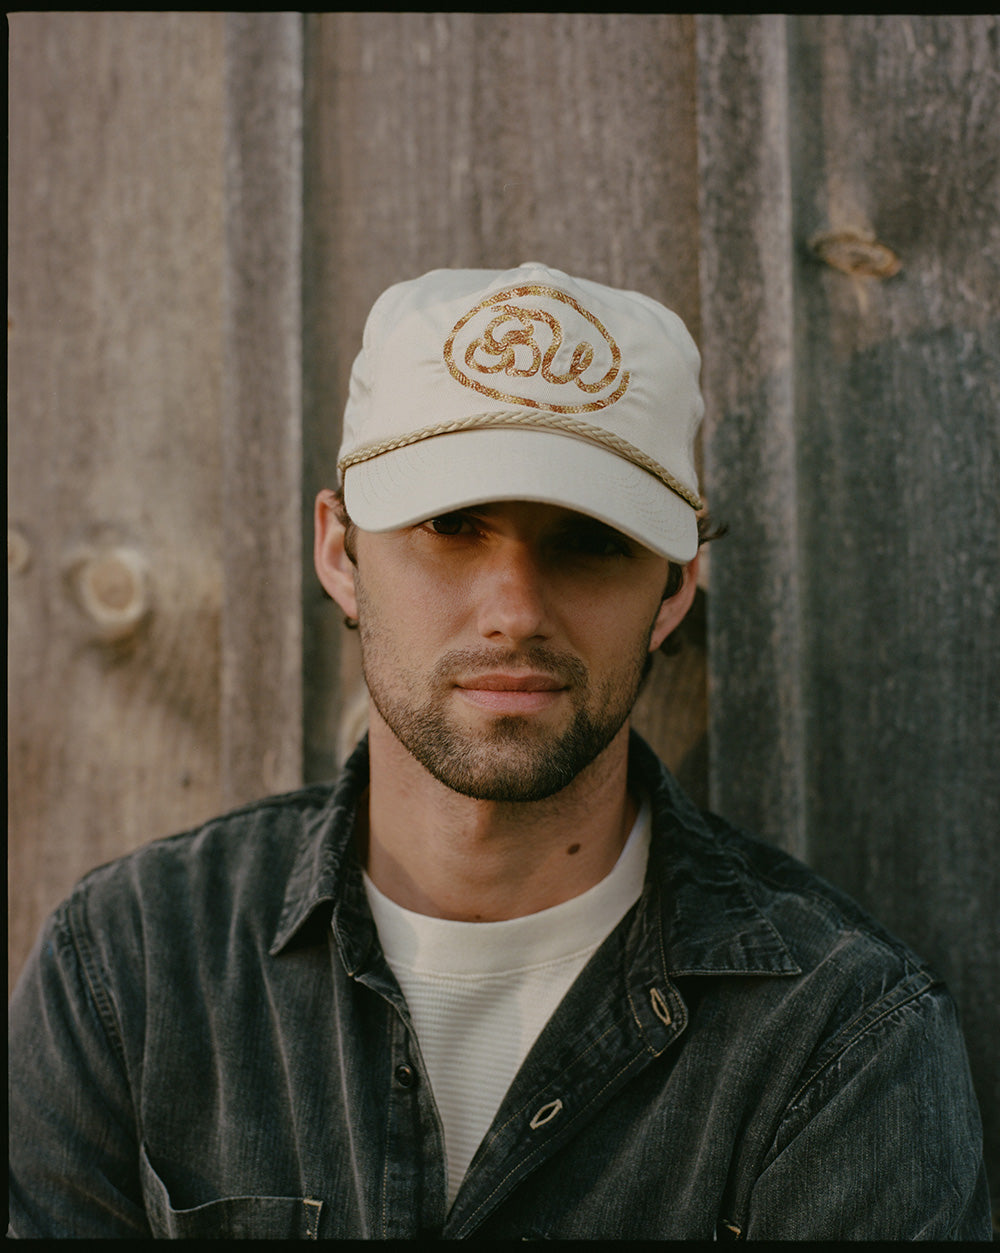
(857, 253)
(112, 588)
(18, 551)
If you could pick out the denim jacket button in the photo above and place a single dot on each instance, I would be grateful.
(405, 1076)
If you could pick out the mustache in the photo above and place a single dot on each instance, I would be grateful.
(564, 667)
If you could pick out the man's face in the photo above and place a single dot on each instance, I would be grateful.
(504, 645)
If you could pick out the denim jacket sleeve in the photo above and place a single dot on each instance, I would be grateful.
(73, 1153)
(881, 1139)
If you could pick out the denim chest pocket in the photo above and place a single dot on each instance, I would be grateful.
(229, 1217)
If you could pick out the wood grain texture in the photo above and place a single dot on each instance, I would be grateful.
(854, 437)
(756, 710)
(115, 329)
(899, 401)
(261, 473)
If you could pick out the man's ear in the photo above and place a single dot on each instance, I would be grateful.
(673, 611)
(333, 566)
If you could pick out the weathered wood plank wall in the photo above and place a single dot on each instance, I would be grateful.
(899, 395)
(854, 444)
(756, 744)
(155, 432)
(261, 477)
(116, 348)
(202, 208)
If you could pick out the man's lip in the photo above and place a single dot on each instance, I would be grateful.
(511, 683)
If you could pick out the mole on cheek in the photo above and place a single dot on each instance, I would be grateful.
(573, 848)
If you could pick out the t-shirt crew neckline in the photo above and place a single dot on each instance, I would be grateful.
(424, 944)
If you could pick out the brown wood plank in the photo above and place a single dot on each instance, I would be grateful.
(115, 327)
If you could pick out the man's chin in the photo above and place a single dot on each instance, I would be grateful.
(503, 757)
(503, 787)
(516, 761)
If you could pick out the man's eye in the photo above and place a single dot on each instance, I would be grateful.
(596, 541)
(449, 524)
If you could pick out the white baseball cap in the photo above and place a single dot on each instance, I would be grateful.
(526, 384)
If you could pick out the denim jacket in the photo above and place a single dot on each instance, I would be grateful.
(207, 1042)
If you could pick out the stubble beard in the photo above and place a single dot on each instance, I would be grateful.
(514, 758)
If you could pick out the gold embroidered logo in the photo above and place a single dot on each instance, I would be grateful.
(512, 336)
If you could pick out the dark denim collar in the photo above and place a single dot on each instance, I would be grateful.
(697, 912)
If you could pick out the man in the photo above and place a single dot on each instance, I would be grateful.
(502, 980)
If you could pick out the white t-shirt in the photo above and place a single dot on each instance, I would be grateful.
(480, 992)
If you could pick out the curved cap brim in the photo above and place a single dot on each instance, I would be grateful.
(465, 468)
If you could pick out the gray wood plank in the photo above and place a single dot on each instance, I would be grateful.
(899, 409)
(851, 248)
(756, 712)
(261, 474)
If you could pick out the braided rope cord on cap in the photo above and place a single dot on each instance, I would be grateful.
(543, 421)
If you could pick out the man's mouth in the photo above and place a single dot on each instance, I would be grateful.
(511, 693)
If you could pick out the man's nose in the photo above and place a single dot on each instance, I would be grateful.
(513, 596)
